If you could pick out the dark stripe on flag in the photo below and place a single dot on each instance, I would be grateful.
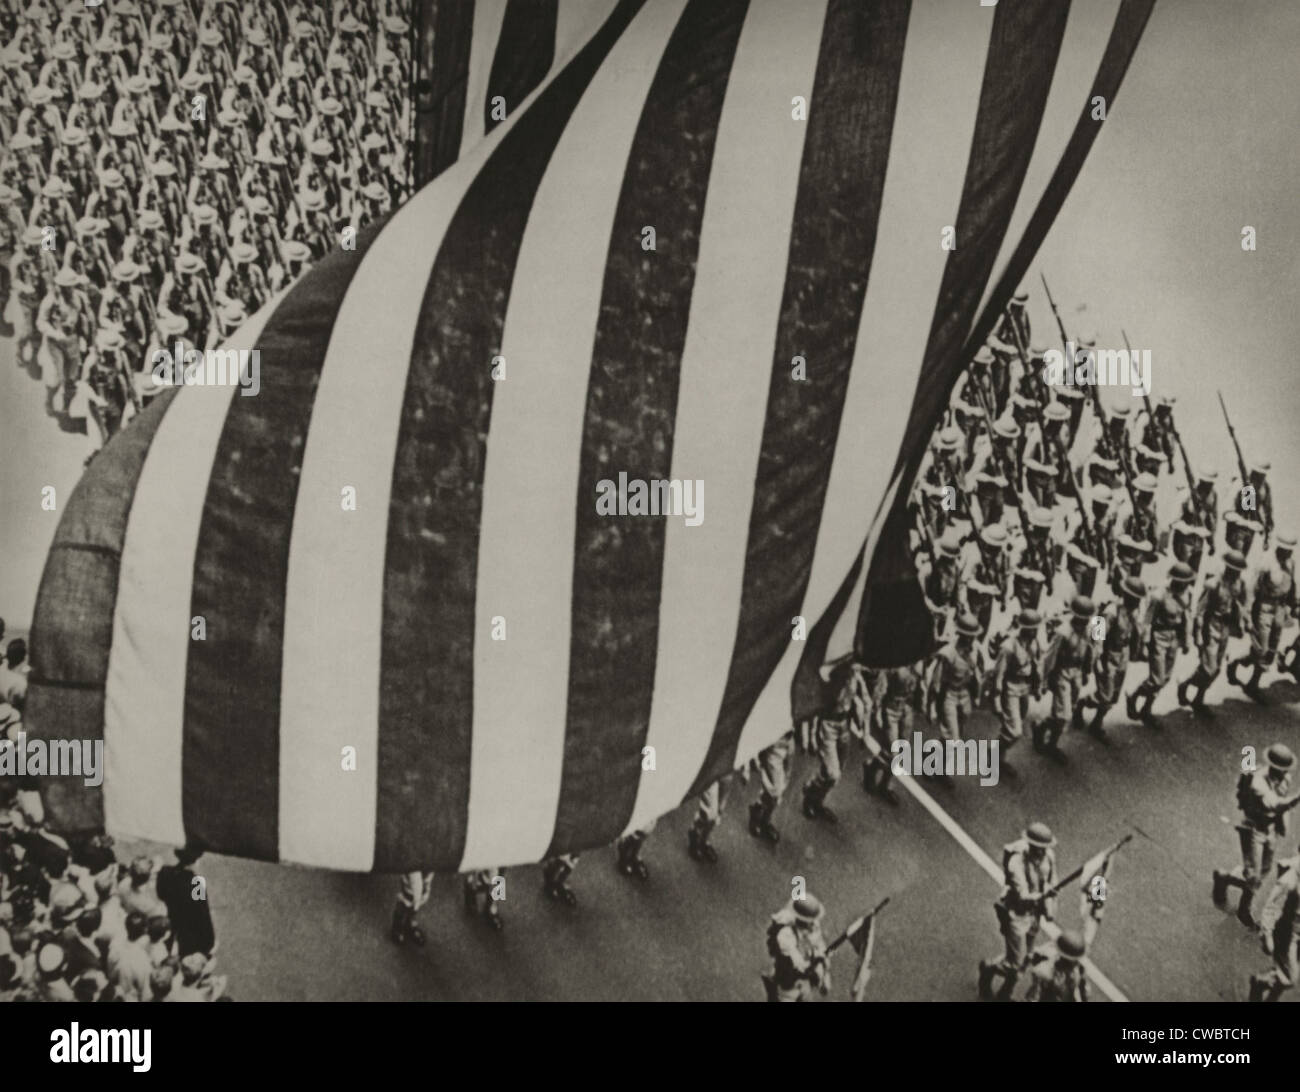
(894, 624)
(630, 421)
(431, 566)
(524, 54)
(833, 238)
(230, 755)
(72, 631)
(441, 119)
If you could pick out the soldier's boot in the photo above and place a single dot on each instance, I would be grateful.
(629, 857)
(814, 807)
(1009, 980)
(1183, 688)
(1145, 715)
(987, 971)
(1220, 892)
(1290, 660)
(1076, 718)
(6, 328)
(760, 820)
(1131, 704)
(555, 873)
(1233, 666)
(1095, 728)
(1038, 732)
(413, 932)
(470, 893)
(697, 844)
(1244, 914)
(876, 776)
(398, 930)
(1252, 686)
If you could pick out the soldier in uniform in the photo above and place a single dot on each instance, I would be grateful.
(627, 852)
(1168, 631)
(1016, 677)
(1280, 933)
(1260, 796)
(833, 730)
(1062, 979)
(1068, 664)
(1201, 508)
(898, 694)
(1187, 543)
(712, 802)
(1029, 871)
(480, 885)
(798, 951)
(414, 893)
(1273, 604)
(1141, 522)
(942, 582)
(773, 775)
(1040, 553)
(957, 678)
(1219, 614)
(1117, 646)
(1239, 531)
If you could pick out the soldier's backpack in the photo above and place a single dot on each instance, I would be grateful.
(1244, 795)
(774, 927)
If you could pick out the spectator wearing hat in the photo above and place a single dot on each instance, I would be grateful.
(798, 949)
(1168, 629)
(1029, 873)
(128, 964)
(137, 890)
(51, 973)
(112, 916)
(78, 941)
(191, 920)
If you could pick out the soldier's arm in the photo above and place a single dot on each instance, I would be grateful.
(788, 946)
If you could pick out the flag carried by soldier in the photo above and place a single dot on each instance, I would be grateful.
(1094, 889)
(861, 935)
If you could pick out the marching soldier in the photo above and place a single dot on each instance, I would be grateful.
(1122, 628)
(1068, 664)
(414, 893)
(1016, 677)
(1279, 933)
(773, 774)
(555, 876)
(1187, 543)
(482, 884)
(898, 693)
(957, 678)
(1201, 508)
(1219, 614)
(1040, 553)
(1239, 531)
(942, 581)
(1029, 871)
(1168, 624)
(1273, 605)
(1260, 796)
(1141, 522)
(712, 802)
(833, 728)
(627, 852)
(798, 950)
(1063, 979)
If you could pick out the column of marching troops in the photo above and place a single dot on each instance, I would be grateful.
(167, 167)
(1031, 541)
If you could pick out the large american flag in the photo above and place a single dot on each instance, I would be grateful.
(776, 238)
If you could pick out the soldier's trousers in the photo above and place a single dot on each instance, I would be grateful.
(1265, 633)
(1014, 710)
(1164, 651)
(1256, 859)
(1019, 934)
(954, 710)
(1285, 971)
(774, 774)
(415, 889)
(832, 746)
(1065, 694)
(1109, 679)
(1214, 646)
(713, 801)
(896, 721)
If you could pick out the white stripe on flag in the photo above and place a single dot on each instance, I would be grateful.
(489, 15)
(938, 100)
(1087, 30)
(575, 23)
(725, 377)
(334, 593)
(525, 562)
(144, 692)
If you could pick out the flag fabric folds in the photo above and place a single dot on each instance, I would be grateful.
(659, 264)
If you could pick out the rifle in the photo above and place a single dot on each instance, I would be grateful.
(1146, 398)
(1241, 462)
(1079, 871)
(1092, 387)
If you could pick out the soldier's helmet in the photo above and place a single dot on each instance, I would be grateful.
(1101, 496)
(1041, 518)
(950, 438)
(1181, 573)
(1234, 560)
(66, 903)
(968, 625)
(1281, 758)
(1040, 835)
(1029, 619)
(1286, 541)
(1006, 427)
(1082, 607)
(1133, 588)
(950, 545)
(994, 535)
(1070, 945)
(1145, 482)
(808, 909)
